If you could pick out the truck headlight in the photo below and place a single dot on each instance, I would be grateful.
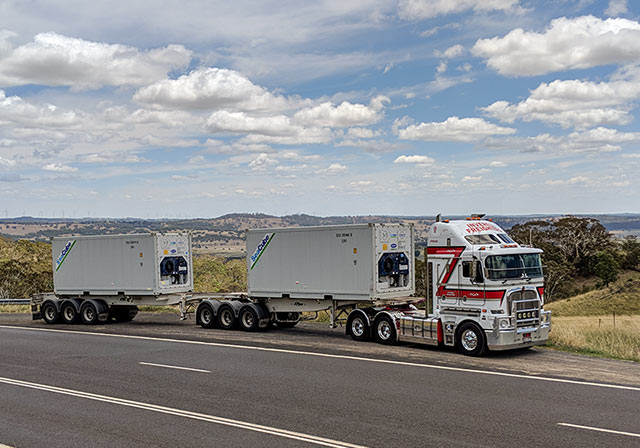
(504, 323)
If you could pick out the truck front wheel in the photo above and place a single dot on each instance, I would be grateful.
(50, 313)
(471, 340)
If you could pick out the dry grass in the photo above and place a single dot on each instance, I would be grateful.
(15, 309)
(597, 335)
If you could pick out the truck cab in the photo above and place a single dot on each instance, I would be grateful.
(486, 289)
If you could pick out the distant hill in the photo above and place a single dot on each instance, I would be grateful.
(226, 233)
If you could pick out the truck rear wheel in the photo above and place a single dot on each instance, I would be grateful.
(358, 327)
(69, 313)
(89, 313)
(248, 319)
(471, 340)
(49, 313)
(384, 330)
(227, 318)
(206, 317)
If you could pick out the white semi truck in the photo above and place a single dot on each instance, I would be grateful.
(484, 290)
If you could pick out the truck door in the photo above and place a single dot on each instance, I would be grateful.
(446, 287)
(471, 293)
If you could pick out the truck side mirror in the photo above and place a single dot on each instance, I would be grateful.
(476, 272)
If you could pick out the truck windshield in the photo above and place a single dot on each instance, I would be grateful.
(483, 238)
(504, 267)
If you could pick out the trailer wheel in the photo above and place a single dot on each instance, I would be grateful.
(49, 313)
(89, 313)
(206, 317)
(226, 318)
(248, 319)
(384, 331)
(471, 340)
(358, 327)
(69, 313)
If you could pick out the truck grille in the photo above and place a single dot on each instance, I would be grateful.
(526, 308)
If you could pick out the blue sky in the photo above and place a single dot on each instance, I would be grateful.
(408, 107)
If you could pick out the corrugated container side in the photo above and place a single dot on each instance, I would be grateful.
(110, 265)
(315, 262)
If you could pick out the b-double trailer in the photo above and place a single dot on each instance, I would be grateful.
(367, 268)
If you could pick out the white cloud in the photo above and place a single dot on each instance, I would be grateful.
(56, 60)
(593, 141)
(211, 89)
(567, 43)
(242, 123)
(14, 110)
(59, 168)
(344, 115)
(616, 7)
(576, 103)
(497, 164)
(442, 67)
(426, 9)
(631, 156)
(471, 178)
(362, 133)
(451, 52)
(262, 162)
(334, 168)
(426, 160)
(453, 129)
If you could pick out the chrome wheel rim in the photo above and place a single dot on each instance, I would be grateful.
(384, 330)
(469, 340)
(357, 326)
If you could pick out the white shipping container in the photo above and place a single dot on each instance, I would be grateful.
(128, 265)
(345, 262)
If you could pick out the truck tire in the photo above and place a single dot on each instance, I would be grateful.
(89, 313)
(49, 313)
(248, 319)
(358, 327)
(384, 331)
(206, 317)
(69, 314)
(470, 340)
(227, 318)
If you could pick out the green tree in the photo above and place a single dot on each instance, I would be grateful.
(570, 246)
(606, 267)
(631, 248)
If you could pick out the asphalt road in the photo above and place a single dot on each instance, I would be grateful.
(66, 386)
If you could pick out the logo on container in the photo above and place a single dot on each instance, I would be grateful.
(63, 255)
(262, 246)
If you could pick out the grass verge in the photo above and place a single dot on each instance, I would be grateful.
(15, 309)
(597, 335)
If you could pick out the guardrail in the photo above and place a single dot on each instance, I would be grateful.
(14, 301)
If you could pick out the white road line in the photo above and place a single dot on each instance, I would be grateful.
(174, 367)
(187, 414)
(591, 428)
(329, 355)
